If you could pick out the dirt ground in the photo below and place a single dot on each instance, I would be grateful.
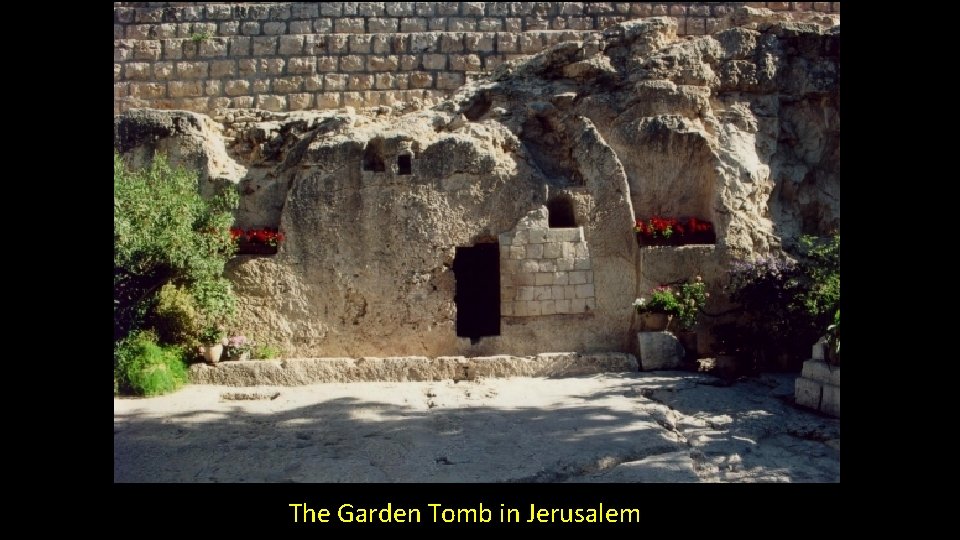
(633, 427)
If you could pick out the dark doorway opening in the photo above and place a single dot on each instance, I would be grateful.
(560, 213)
(404, 165)
(477, 270)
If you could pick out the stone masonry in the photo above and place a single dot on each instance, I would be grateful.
(288, 56)
(545, 271)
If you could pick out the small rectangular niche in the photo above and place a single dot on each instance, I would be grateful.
(404, 164)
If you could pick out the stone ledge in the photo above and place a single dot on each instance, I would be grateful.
(301, 371)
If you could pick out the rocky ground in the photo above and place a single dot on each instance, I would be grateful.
(635, 427)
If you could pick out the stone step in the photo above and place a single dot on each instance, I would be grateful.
(300, 371)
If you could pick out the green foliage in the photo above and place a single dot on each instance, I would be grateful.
(174, 317)
(166, 233)
(683, 302)
(787, 303)
(141, 366)
(170, 248)
(265, 351)
(200, 37)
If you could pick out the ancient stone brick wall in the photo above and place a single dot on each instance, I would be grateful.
(285, 56)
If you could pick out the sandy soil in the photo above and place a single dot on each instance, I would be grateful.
(636, 427)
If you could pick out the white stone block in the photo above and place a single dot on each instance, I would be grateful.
(563, 306)
(544, 279)
(526, 293)
(530, 266)
(830, 403)
(543, 293)
(533, 308)
(506, 309)
(578, 278)
(548, 307)
(517, 252)
(538, 236)
(582, 252)
(581, 264)
(534, 251)
(585, 291)
(659, 350)
(522, 236)
(807, 393)
(505, 239)
(548, 266)
(551, 250)
(820, 371)
(564, 265)
(525, 278)
(557, 291)
(568, 250)
(569, 292)
(561, 278)
(818, 351)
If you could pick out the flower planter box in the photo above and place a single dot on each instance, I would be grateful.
(245, 247)
(676, 240)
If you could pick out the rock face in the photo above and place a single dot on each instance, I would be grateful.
(521, 184)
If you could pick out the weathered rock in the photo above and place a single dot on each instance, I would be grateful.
(740, 127)
(659, 351)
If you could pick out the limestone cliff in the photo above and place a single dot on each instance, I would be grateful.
(741, 128)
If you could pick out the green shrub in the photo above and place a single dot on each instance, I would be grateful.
(786, 303)
(265, 351)
(144, 367)
(166, 233)
(174, 317)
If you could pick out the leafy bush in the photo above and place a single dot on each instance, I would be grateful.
(174, 317)
(144, 367)
(787, 303)
(165, 233)
(170, 248)
(265, 351)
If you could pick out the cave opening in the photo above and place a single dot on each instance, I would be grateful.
(560, 212)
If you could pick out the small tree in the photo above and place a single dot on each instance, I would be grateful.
(168, 238)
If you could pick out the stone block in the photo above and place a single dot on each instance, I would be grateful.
(274, 28)
(383, 24)
(464, 62)
(562, 306)
(237, 88)
(163, 70)
(544, 279)
(382, 63)
(807, 393)
(437, 24)
(564, 265)
(547, 266)
(292, 44)
(529, 266)
(578, 278)
(272, 103)
(561, 277)
(413, 24)
(383, 81)
(534, 251)
(551, 250)
(352, 63)
(328, 101)
(585, 291)
(185, 88)
(360, 82)
(302, 65)
(212, 88)
(265, 46)
(581, 264)
(451, 42)
(223, 68)
(137, 71)
(830, 402)
(659, 351)
(569, 292)
(543, 292)
(489, 24)
(820, 371)
(287, 85)
(348, 25)
(327, 63)
(548, 307)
